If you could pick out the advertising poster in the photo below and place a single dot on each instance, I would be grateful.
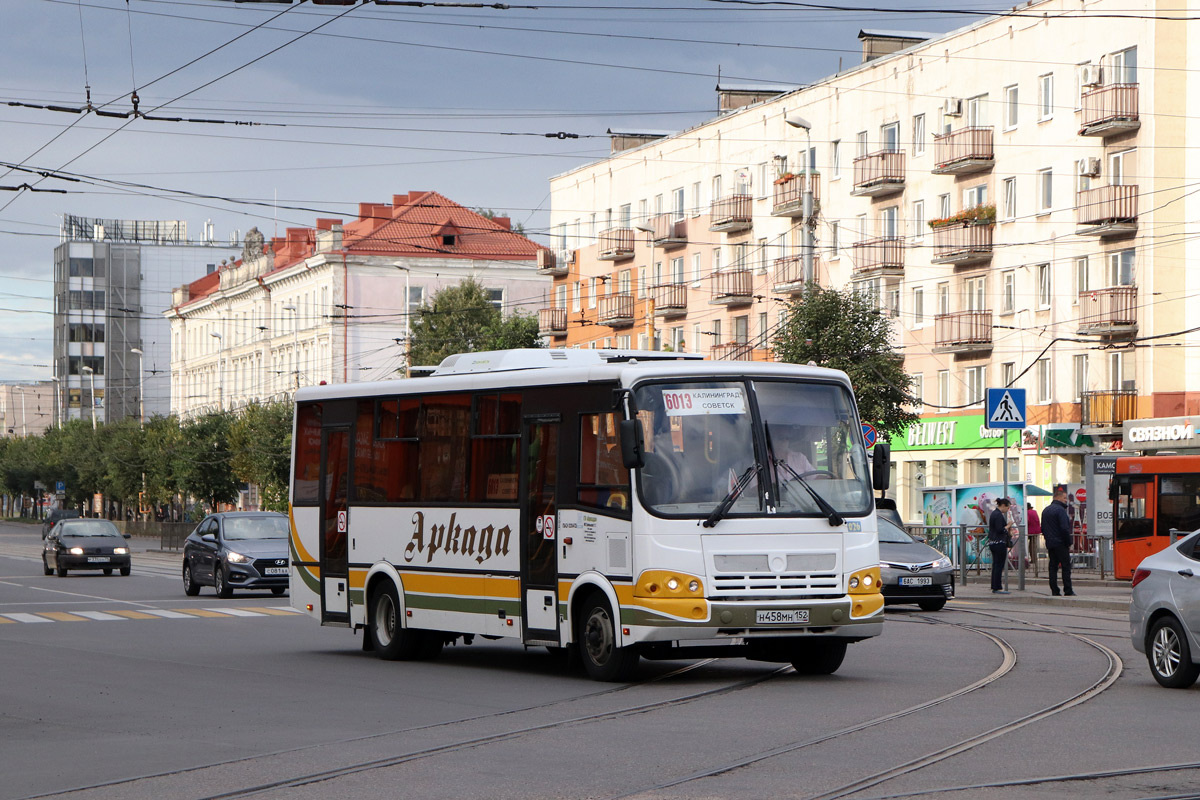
(939, 509)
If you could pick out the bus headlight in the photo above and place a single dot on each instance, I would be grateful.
(864, 581)
(661, 583)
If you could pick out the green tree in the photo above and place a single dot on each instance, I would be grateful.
(845, 330)
(461, 319)
(164, 459)
(261, 440)
(204, 464)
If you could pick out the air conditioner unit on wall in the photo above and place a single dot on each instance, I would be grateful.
(952, 107)
(1090, 75)
(1088, 166)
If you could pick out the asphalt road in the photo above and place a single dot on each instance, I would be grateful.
(124, 688)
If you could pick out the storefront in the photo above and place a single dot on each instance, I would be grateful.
(1151, 436)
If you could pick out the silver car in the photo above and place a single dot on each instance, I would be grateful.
(1164, 614)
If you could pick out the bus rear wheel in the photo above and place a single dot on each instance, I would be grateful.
(819, 657)
(602, 658)
(393, 642)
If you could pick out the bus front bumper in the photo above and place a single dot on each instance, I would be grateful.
(851, 616)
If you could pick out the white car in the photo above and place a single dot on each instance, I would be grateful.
(1164, 614)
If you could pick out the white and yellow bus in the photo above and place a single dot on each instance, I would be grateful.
(615, 505)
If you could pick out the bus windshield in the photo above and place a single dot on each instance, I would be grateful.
(797, 439)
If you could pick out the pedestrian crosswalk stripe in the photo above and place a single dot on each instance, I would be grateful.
(5, 619)
(236, 612)
(279, 612)
(161, 612)
(63, 616)
(133, 614)
(19, 617)
(99, 616)
(287, 609)
(202, 612)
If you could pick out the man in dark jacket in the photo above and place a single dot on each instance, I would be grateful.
(1056, 535)
(999, 540)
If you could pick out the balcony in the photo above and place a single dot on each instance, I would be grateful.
(550, 262)
(615, 244)
(962, 244)
(738, 351)
(1107, 409)
(879, 174)
(962, 332)
(552, 321)
(733, 288)
(1108, 312)
(876, 257)
(1110, 110)
(1106, 211)
(670, 300)
(789, 274)
(616, 310)
(963, 151)
(732, 214)
(787, 199)
(670, 230)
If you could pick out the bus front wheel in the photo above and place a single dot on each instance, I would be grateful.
(819, 657)
(603, 659)
(393, 642)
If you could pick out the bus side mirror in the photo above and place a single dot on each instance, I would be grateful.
(881, 466)
(631, 443)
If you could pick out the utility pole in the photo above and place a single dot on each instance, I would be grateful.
(807, 203)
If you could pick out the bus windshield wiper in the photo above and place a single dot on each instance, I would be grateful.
(719, 512)
(835, 518)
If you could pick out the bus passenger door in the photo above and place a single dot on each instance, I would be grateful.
(335, 525)
(1133, 523)
(539, 530)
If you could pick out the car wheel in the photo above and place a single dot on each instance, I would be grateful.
(819, 657)
(222, 586)
(60, 571)
(108, 570)
(1170, 656)
(190, 587)
(392, 642)
(46, 566)
(125, 570)
(597, 639)
(278, 591)
(932, 605)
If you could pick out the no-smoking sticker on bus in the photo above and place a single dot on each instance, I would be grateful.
(547, 525)
(341, 522)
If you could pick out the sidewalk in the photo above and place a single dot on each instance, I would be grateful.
(1090, 592)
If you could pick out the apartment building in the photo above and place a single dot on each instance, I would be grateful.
(332, 303)
(1013, 194)
(27, 409)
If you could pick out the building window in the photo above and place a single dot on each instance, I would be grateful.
(834, 236)
(888, 222)
(697, 270)
(1043, 380)
(625, 281)
(914, 472)
(975, 196)
(1123, 67)
(890, 136)
(1079, 367)
(1120, 371)
(919, 135)
(496, 299)
(1120, 268)
(918, 219)
(918, 295)
(976, 384)
(1081, 278)
(696, 201)
(1010, 198)
(860, 144)
(642, 291)
(1010, 107)
(947, 472)
(916, 389)
(577, 297)
(1008, 299)
(677, 275)
(943, 206)
(1043, 276)
(1045, 179)
(1119, 166)
(592, 291)
(835, 157)
(975, 293)
(1008, 374)
(943, 385)
(1045, 97)
(716, 259)
(943, 298)
(979, 470)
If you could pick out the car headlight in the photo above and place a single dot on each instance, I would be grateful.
(942, 563)
(120, 551)
(76, 551)
(236, 558)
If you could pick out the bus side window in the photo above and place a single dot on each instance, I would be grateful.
(1132, 513)
(603, 479)
(1178, 505)
(444, 442)
(495, 446)
(308, 455)
(385, 467)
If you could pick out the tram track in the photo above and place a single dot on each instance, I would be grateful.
(318, 776)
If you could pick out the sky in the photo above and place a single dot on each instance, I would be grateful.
(315, 108)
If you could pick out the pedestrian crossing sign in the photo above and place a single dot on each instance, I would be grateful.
(1005, 408)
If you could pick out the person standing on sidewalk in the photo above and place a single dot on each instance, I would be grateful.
(999, 540)
(1056, 535)
(1033, 528)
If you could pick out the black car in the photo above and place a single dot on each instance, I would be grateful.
(912, 571)
(85, 544)
(237, 550)
(55, 516)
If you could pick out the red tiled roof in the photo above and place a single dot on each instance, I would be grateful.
(203, 287)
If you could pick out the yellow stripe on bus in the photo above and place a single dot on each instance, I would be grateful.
(358, 578)
(461, 585)
(303, 554)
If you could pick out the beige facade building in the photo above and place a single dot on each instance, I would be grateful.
(27, 409)
(1014, 194)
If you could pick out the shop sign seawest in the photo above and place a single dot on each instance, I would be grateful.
(946, 433)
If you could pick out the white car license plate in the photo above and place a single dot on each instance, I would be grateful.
(781, 616)
(98, 559)
(926, 581)
(275, 571)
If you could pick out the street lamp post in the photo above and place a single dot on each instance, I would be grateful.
(21, 391)
(220, 373)
(141, 385)
(807, 207)
(407, 321)
(56, 419)
(91, 373)
(295, 340)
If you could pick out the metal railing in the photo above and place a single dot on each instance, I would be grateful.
(883, 253)
(1116, 101)
(669, 298)
(787, 198)
(962, 328)
(1106, 204)
(965, 144)
(883, 167)
(1107, 409)
(615, 243)
(733, 212)
(735, 284)
(552, 320)
(1106, 308)
(616, 309)
(952, 242)
(669, 229)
